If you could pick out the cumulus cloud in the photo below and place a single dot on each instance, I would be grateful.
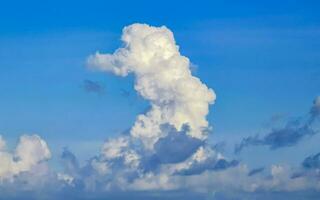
(292, 133)
(167, 147)
(162, 76)
(166, 153)
(168, 141)
(29, 153)
(171, 136)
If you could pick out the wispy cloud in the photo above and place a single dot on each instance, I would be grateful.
(93, 87)
(256, 171)
(312, 162)
(291, 134)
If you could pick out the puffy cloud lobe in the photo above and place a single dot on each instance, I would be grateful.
(205, 159)
(30, 152)
(291, 134)
(163, 77)
(173, 132)
(123, 165)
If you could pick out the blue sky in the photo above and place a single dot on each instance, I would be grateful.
(261, 58)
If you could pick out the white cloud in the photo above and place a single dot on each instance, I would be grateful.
(176, 121)
(30, 151)
(178, 99)
(162, 76)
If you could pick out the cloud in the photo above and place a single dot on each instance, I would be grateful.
(177, 146)
(166, 153)
(209, 165)
(312, 162)
(288, 136)
(291, 134)
(277, 118)
(167, 148)
(30, 152)
(205, 159)
(170, 136)
(162, 76)
(256, 171)
(309, 171)
(70, 164)
(93, 87)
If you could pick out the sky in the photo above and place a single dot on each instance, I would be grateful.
(248, 100)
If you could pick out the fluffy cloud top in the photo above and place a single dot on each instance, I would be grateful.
(30, 151)
(162, 76)
(171, 137)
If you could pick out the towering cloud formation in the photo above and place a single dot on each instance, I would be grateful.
(162, 76)
(30, 151)
(173, 132)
